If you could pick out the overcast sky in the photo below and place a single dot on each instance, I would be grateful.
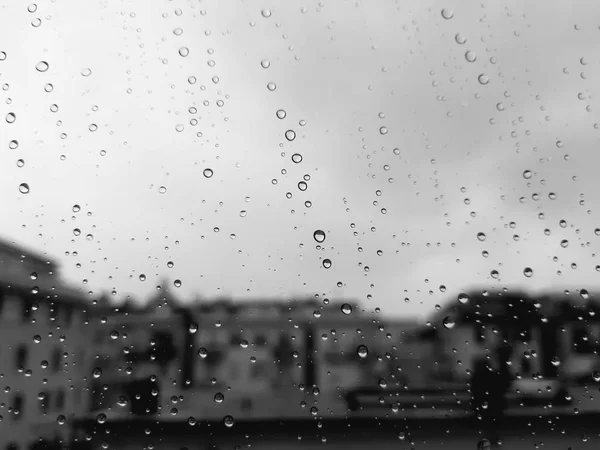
(356, 81)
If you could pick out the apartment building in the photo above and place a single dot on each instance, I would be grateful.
(43, 350)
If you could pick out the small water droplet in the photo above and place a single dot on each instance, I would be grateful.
(207, 173)
(528, 272)
(219, 397)
(202, 352)
(86, 72)
(327, 263)
(24, 188)
(470, 56)
(297, 158)
(11, 117)
(265, 63)
(193, 328)
(481, 236)
(281, 114)
(483, 79)
(527, 174)
(460, 39)
(184, 51)
(96, 372)
(177, 283)
(266, 13)
(290, 135)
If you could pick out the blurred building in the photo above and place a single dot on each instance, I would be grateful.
(43, 349)
(140, 357)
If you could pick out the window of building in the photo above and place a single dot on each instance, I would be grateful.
(44, 403)
(18, 407)
(56, 356)
(60, 399)
(21, 357)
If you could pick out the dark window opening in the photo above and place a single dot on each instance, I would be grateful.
(18, 406)
(21, 357)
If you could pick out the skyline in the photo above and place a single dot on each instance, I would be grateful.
(417, 131)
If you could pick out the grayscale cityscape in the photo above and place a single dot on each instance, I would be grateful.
(289, 225)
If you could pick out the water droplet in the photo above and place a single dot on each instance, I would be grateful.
(11, 117)
(527, 174)
(76, 231)
(86, 72)
(13, 144)
(142, 277)
(555, 361)
(564, 243)
(290, 135)
(61, 419)
(271, 86)
(202, 352)
(48, 87)
(281, 114)
(24, 188)
(219, 397)
(184, 51)
(460, 39)
(319, 236)
(346, 309)
(114, 334)
(76, 208)
(463, 298)
(207, 173)
(297, 158)
(327, 263)
(36, 22)
(96, 372)
(37, 339)
(494, 274)
(447, 13)
(470, 56)
(162, 189)
(20, 163)
(32, 8)
(193, 328)
(483, 79)
(596, 376)
(362, 351)
(383, 130)
(101, 418)
(528, 272)
(265, 63)
(177, 31)
(448, 322)
(228, 421)
(266, 13)
(177, 283)
(584, 294)
(481, 236)
(42, 66)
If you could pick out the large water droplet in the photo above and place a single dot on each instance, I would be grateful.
(281, 114)
(207, 173)
(96, 372)
(24, 188)
(346, 309)
(219, 397)
(11, 117)
(266, 13)
(297, 158)
(447, 13)
(42, 66)
(584, 294)
(319, 236)
(470, 56)
(483, 79)
(481, 236)
(290, 135)
(448, 322)
(184, 51)
(460, 39)
(327, 263)
(527, 174)
(228, 421)
(202, 352)
(528, 272)
(362, 351)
